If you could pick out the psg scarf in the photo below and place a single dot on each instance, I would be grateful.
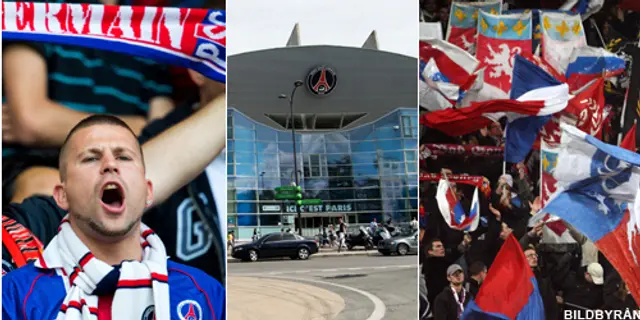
(191, 38)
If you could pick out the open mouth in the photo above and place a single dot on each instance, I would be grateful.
(112, 197)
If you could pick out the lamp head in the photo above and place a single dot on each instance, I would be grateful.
(282, 96)
(298, 83)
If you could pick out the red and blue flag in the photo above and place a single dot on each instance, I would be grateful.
(510, 290)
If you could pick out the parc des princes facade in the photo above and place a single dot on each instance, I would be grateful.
(356, 130)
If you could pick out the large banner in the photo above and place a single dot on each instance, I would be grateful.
(500, 39)
(192, 38)
(463, 22)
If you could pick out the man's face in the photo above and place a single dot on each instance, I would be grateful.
(495, 130)
(532, 257)
(457, 278)
(483, 275)
(105, 190)
(587, 277)
(437, 249)
(444, 13)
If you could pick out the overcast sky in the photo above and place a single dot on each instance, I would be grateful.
(257, 24)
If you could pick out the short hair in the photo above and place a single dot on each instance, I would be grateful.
(93, 120)
(477, 267)
(432, 242)
(530, 247)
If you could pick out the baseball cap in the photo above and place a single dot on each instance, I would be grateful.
(596, 272)
(453, 269)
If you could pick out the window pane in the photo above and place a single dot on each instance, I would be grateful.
(411, 144)
(241, 121)
(247, 220)
(364, 158)
(246, 183)
(395, 144)
(267, 147)
(245, 194)
(364, 146)
(412, 167)
(247, 207)
(245, 158)
(410, 156)
(245, 170)
(374, 205)
(338, 159)
(245, 146)
(244, 134)
(269, 220)
(395, 156)
(365, 170)
(362, 133)
(288, 236)
(340, 171)
(341, 194)
(338, 147)
(368, 193)
(265, 133)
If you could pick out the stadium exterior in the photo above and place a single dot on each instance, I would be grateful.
(356, 124)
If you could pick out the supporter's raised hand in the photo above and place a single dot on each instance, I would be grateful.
(446, 171)
(495, 212)
(467, 239)
(537, 229)
(536, 205)
(522, 172)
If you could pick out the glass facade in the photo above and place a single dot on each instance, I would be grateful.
(367, 172)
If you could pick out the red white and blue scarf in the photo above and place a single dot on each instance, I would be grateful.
(191, 38)
(140, 286)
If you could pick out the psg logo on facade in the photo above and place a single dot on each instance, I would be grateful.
(321, 80)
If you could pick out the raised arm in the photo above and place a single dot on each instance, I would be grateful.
(33, 119)
(180, 153)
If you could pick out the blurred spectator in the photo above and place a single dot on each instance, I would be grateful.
(477, 272)
(585, 290)
(450, 303)
(545, 285)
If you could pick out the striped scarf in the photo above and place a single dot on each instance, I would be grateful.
(140, 287)
(191, 38)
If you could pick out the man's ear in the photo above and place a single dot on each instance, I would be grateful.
(60, 195)
(149, 200)
(196, 77)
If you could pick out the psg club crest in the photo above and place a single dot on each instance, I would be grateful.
(321, 80)
(149, 313)
(189, 310)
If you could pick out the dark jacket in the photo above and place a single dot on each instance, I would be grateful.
(446, 307)
(548, 294)
(473, 287)
(435, 271)
(584, 294)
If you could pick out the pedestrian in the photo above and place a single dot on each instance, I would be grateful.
(342, 233)
(414, 224)
(373, 225)
(450, 303)
(230, 240)
(254, 238)
(101, 244)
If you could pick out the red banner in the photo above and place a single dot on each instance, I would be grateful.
(436, 149)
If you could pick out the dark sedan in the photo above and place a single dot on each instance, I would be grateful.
(276, 245)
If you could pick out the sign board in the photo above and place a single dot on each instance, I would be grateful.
(270, 208)
(320, 208)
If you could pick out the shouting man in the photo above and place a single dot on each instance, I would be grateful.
(104, 263)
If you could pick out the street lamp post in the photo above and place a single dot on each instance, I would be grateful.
(296, 85)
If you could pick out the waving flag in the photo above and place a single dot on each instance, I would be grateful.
(510, 290)
(455, 64)
(191, 38)
(463, 22)
(452, 211)
(522, 131)
(436, 91)
(597, 186)
(500, 39)
(588, 107)
(561, 33)
(589, 63)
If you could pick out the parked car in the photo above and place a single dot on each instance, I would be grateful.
(276, 245)
(404, 243)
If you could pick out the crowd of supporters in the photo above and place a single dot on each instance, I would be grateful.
(571, 275)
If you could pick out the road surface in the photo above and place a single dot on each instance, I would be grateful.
(366, 287)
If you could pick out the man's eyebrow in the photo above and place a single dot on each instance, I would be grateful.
(92, 150)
